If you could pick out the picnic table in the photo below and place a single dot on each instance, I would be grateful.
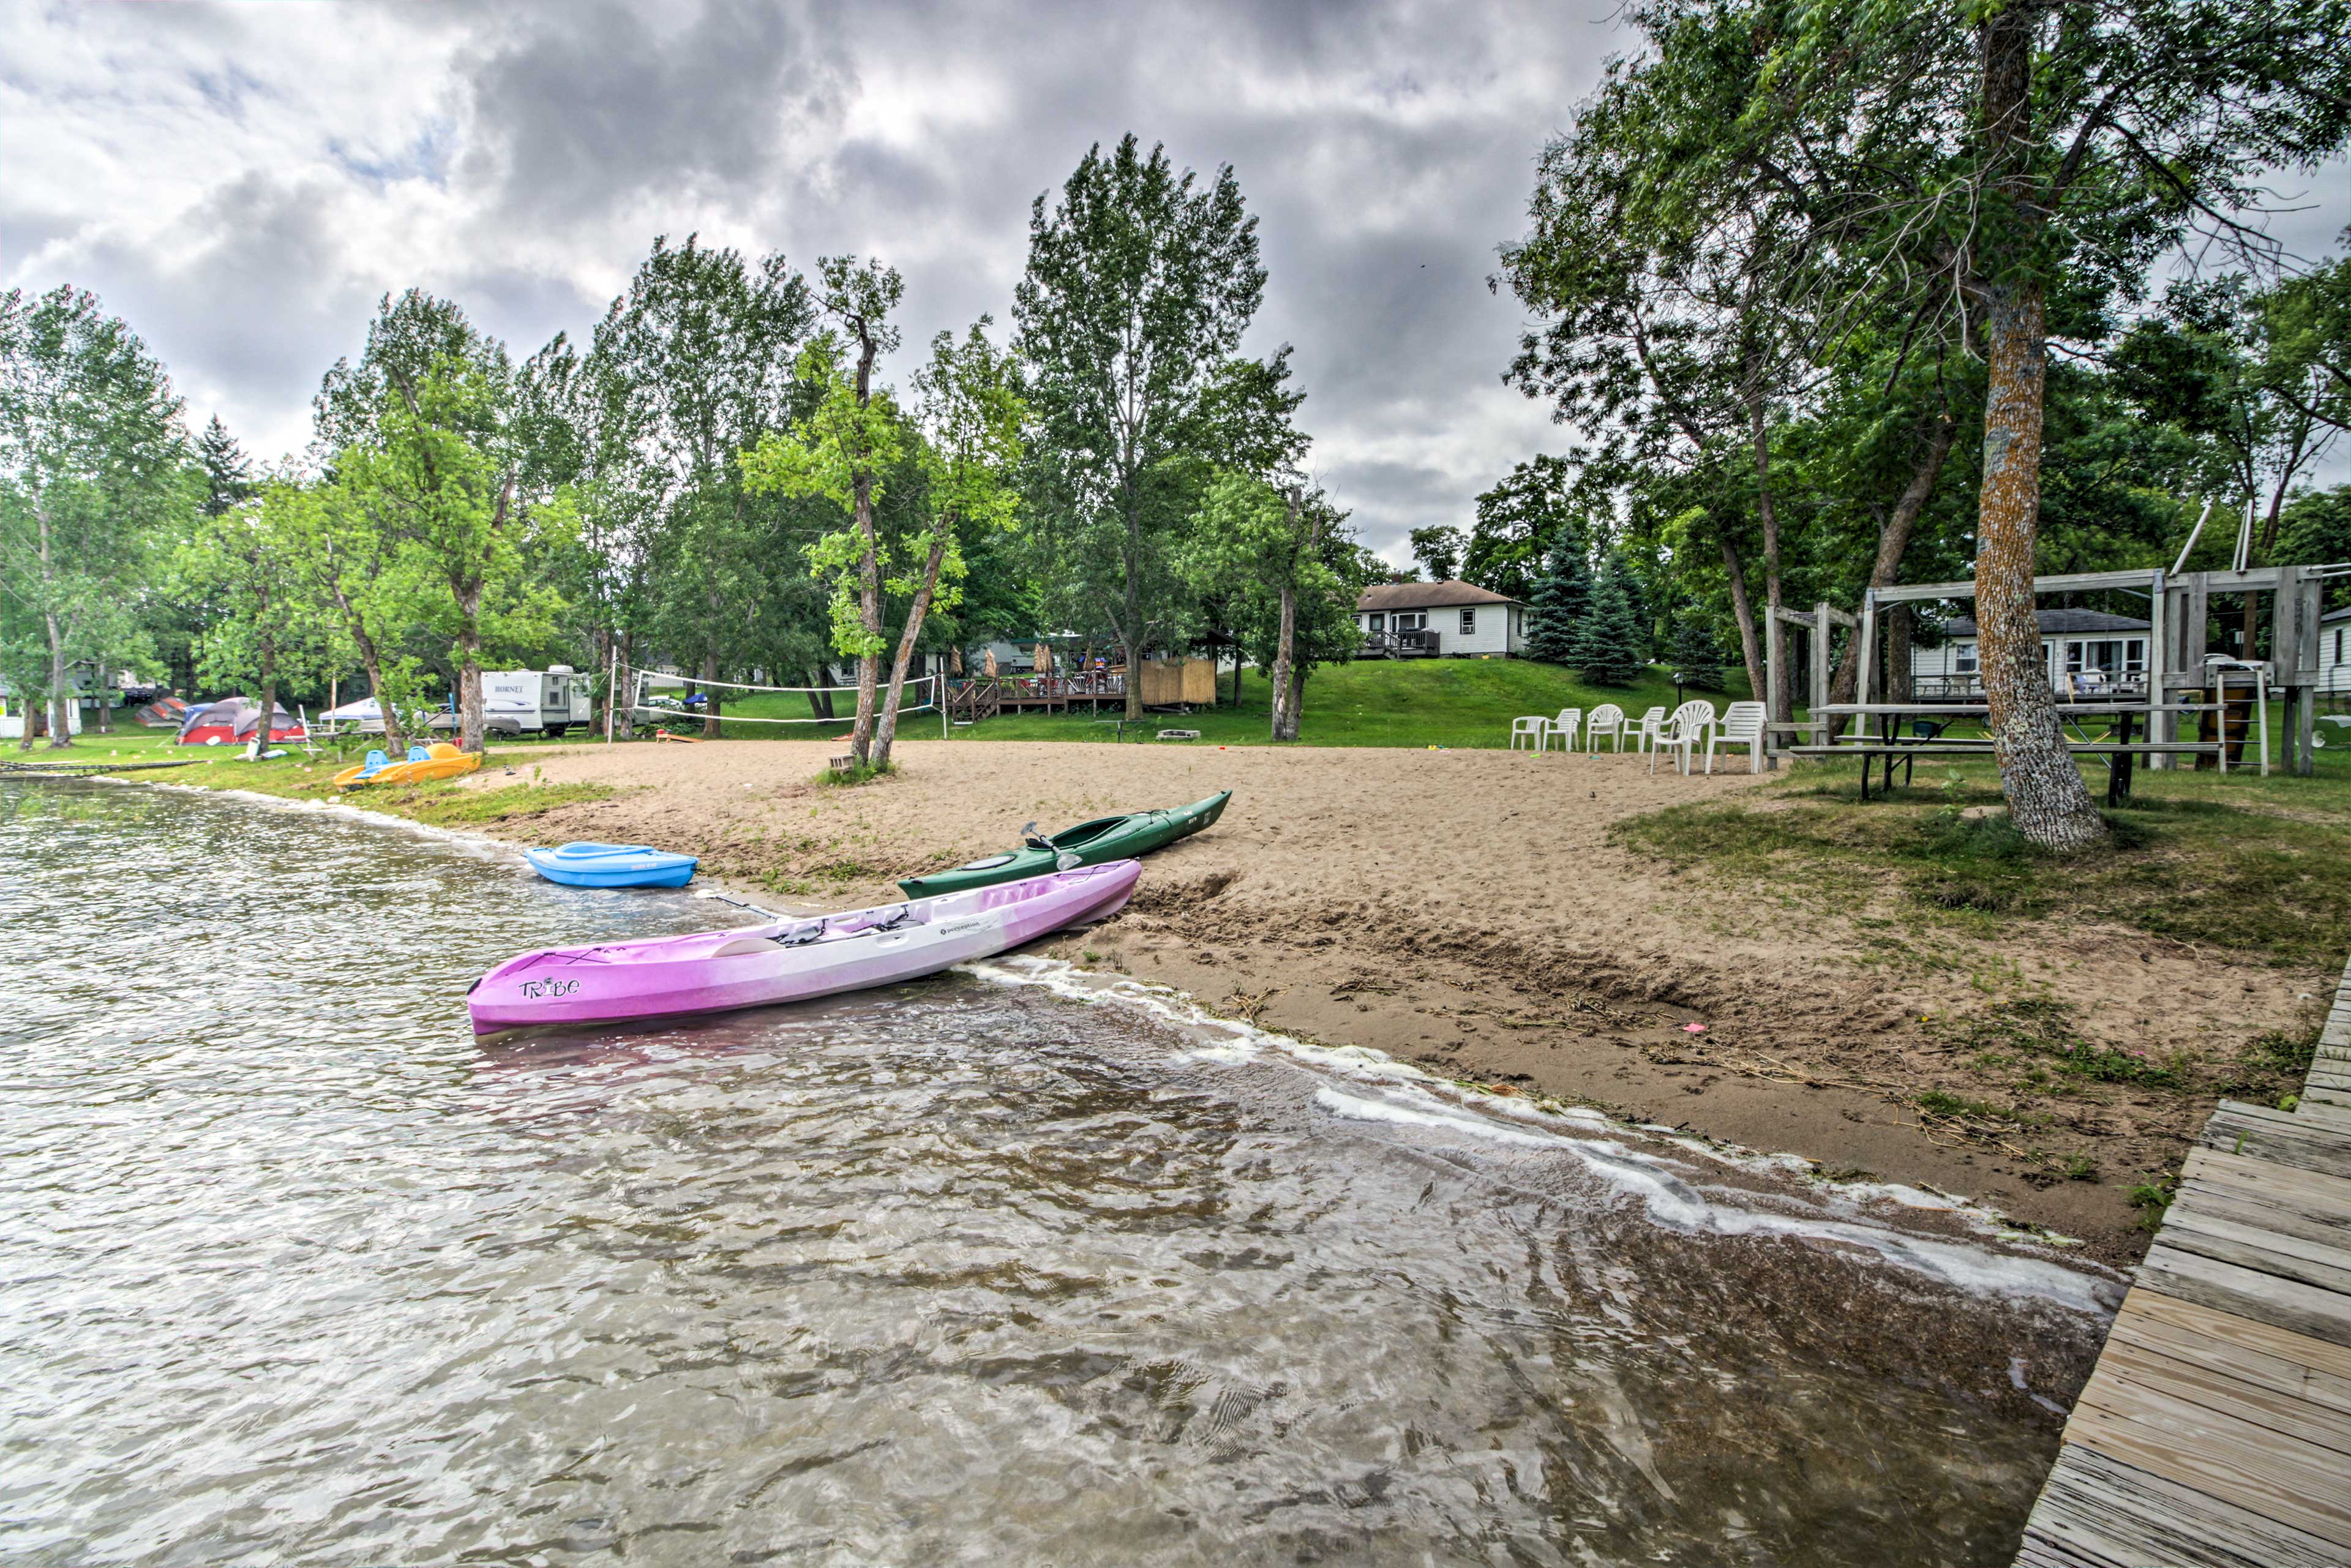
(1891, 747)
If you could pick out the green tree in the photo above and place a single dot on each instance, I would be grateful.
(1440, 548)
(1563, 596)
(1698, 658)
(967, 423)
(228, 473)
(270, 632)
(840, 451)
(1139, 285)
(691, 366)
(93, 462)
(2037, 156)
(1515, 520)
(433, 475)
(1605, 648)
(1276, 556)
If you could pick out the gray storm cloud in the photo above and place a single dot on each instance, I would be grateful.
(243, 182)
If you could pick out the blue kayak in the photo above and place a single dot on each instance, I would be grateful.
(612, 865)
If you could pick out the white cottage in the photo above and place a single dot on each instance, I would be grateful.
(2333, 667)
(1459, 619)
(2086, 651)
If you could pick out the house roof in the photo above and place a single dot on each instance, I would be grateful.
(2060, 624)
(1427, 596)
(2334, 615)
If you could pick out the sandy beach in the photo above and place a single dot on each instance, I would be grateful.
(1467, 911)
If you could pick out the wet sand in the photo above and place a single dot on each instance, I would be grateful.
(1467, 911)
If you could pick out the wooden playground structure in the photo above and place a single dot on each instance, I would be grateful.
(2224, 699)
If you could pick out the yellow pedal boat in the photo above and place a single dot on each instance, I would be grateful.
(441, 760)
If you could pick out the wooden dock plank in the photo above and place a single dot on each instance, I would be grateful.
(2249, 1293)
(2265, 1357)
(2137, 1370)
(2263, 1471)
(2103, 1513)
(2265, 1134)
(2215, 1431)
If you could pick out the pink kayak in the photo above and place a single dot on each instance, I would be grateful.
(790, 960)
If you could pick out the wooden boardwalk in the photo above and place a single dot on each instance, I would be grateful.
(2216, 1428)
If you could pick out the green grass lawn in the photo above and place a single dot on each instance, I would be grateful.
(1463, 703)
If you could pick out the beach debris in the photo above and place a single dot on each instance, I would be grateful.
(1693, 1028)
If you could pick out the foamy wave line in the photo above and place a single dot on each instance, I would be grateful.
(1411, 1099)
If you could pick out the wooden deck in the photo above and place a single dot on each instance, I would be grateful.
(2216, 1428)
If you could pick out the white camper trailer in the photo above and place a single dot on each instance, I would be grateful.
(554, 699)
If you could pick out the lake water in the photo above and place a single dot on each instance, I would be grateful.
(294, 1269)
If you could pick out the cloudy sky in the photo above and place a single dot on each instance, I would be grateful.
(242, 180)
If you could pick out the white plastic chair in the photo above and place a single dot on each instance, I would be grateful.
(1535, 728)
(1742, 724)
(1687, 727)
(1647, 727)
(1562, 729)
(1607, 719)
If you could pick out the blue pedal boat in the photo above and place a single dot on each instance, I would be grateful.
(612, 865)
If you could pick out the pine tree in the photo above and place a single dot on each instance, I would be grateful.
(228, 473)
(1563, 594)
(1696, 656)
(1607, 650)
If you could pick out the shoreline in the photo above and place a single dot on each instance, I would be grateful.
(1470, 913)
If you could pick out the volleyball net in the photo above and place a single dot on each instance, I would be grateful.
(644, 705)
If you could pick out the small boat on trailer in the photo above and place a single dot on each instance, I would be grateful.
(789, 960)
(1122, 837)
(612, 866)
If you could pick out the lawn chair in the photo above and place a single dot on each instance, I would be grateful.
(1742, 724)
(1647, 727)
(1683, 732)
(1562, 729)
(1534, 727)
(1607, 719)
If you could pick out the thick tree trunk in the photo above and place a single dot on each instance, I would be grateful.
(2047, 798)
(1285, 723)
(1775, 633)
(60, 689)
(268, 698)
(1893, 543)
(469, 677)
(713, 705)
(1742, 609)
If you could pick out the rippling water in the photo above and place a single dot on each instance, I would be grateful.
(293, 1270)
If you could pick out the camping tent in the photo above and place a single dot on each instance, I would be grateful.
(366, 713)
(234, 719)
(163, 713)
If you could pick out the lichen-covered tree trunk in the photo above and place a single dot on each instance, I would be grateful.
(2047, 798)
(869, 615)
(469, 670)
(1285, 720)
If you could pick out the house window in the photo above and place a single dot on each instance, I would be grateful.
(1378, 623)
(1963, 658)
(1468, 622)
(2339, 647)
(1411, 619)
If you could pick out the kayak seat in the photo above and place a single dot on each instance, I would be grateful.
(375, 759)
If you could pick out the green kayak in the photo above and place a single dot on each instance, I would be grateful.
(1089, 844)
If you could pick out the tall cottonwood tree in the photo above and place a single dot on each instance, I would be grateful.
(691, 366)
(2035, 155)
(94, 461)
(1141, 281)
